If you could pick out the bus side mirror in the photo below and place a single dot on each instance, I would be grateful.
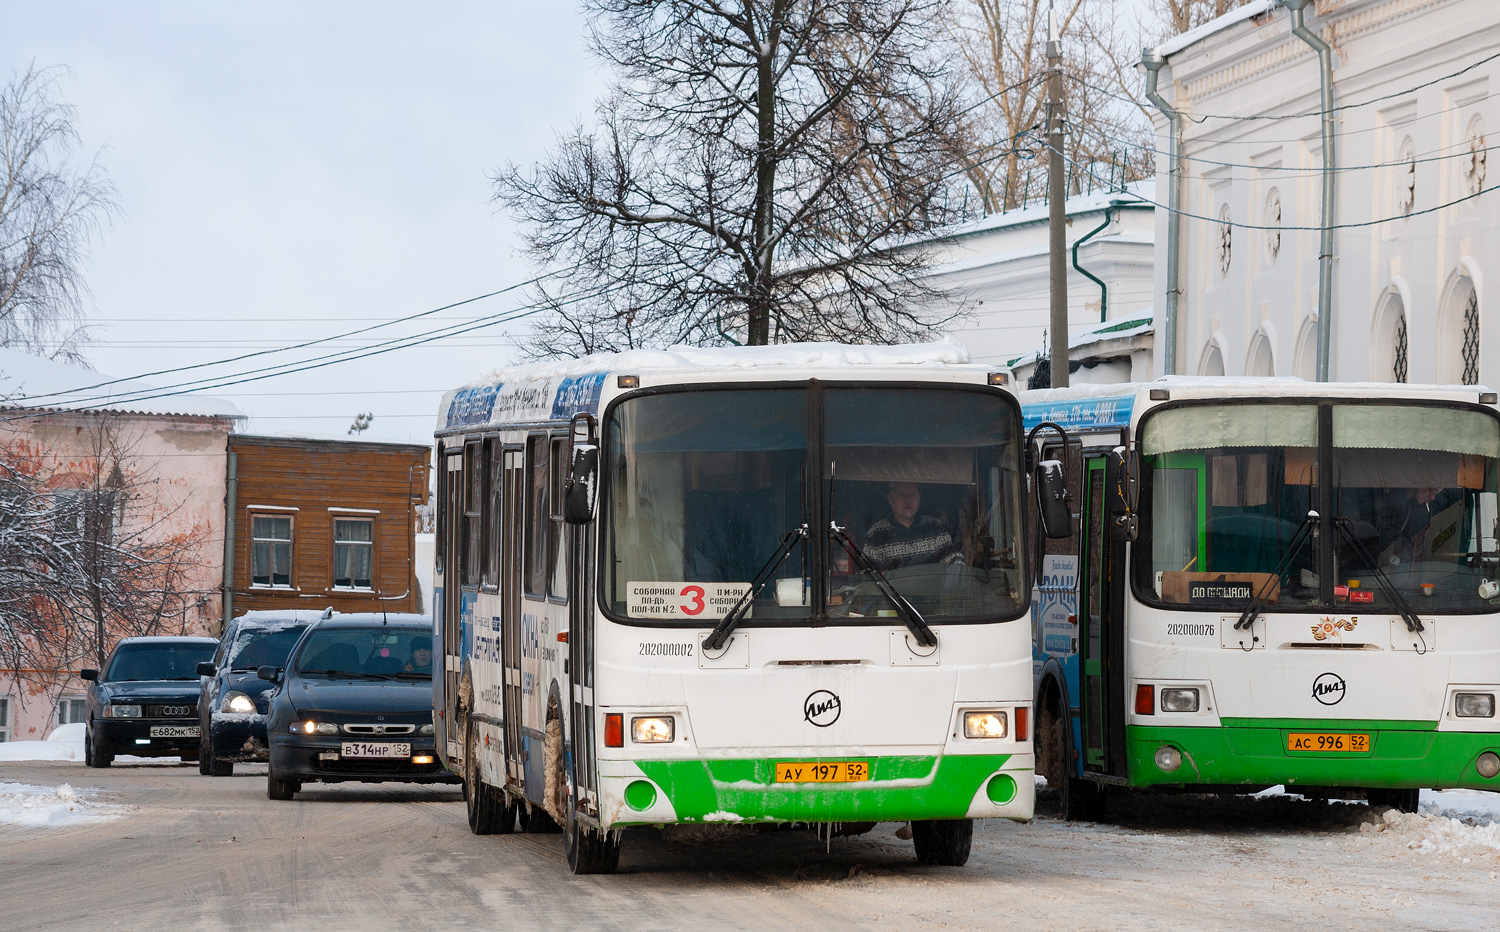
(1052, 499)
(581, 488)
(1121, 495)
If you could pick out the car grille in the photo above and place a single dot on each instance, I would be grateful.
(185, 710)
(379, 729)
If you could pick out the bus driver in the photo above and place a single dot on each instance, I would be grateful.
(908, 537)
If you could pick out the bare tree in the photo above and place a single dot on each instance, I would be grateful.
(89, 554)
(1002, 45)
(753, 170)
(51, 206)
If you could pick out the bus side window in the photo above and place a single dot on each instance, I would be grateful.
(490, 556)
(538, 514)
(557, 572)
(1176, 524)
(440, 546)
(473, 529)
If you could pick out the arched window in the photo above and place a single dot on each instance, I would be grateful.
(1306, 360)
(1212, 361)
(1389, 346)
(1260, 361)
(1458, 334)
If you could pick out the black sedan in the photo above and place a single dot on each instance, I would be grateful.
(354, 702)
(145, 702)
(233, 701)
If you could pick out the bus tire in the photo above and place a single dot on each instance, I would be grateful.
(589, 850)
(944, 842)
(1397, 799)
(489, 811)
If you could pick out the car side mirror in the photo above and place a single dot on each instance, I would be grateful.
(581, 488)
(207, 668)
(269, 674)
(90, 675)
(1052, 499)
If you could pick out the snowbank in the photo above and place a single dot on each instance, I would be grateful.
(65, 743)
(51, 806)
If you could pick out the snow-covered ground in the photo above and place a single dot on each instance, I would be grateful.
(64, 744)
(52, 806)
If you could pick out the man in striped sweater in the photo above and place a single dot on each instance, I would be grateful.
(909, 538)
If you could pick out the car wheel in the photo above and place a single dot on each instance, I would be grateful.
(489, 813)
(205, 754)
(589, 850)
(277, 788)
(95, 752)
(944, 842)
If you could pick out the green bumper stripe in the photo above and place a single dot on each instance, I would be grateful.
(899, 788)
(1254, 752)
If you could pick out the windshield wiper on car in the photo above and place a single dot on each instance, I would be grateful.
(719, 636)
(343, 673)
(1293, 547)
(1413, 623)
(909, 613)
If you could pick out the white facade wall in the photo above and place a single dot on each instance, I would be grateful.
(1252, 310)
(999, 266)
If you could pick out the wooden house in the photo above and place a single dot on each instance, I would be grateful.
(315, 523)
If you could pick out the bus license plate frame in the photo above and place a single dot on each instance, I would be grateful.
(843, 771)
(1327, 742)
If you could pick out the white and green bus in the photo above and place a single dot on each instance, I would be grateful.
(667, 595)
(1273, 582)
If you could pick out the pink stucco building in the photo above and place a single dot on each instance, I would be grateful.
(96, 459)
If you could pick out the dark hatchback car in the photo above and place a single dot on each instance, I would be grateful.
(145, 701)
(354, 702)
(232, 700)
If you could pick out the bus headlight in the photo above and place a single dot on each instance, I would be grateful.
(651, 730)
(985, 725)
(1474, 705)
(1179, 700)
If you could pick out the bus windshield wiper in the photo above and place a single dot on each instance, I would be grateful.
(1413, 623)
(720, 634)
(1293, 547)
(909, 613)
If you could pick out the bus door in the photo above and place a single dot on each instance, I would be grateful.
(1101, 641)
(510, 610)
(581, 662)
(449, 614)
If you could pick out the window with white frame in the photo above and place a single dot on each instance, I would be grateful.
(71, 709)
(271, 550)
(353, 553)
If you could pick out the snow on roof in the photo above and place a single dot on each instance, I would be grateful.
(28, 381)
(1238, 15)
(1116, 328)
(1136, 194)
(945, 352)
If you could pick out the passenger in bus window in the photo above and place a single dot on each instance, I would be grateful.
(1404, 526)
(908, 537)
(421, 656)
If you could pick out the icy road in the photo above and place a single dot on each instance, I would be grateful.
(182, 851)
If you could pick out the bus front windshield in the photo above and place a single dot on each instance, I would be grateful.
(706, 488)
(1231, 497)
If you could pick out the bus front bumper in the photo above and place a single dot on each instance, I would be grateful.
(898, 789)
(1257, 753)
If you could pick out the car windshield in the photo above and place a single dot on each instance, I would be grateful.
(1227, 490)
(262, 646)
(376, 651)
(705, 486)
(134, 662)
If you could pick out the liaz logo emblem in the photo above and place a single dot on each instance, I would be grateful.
(1328, 628)
(1328, 688)
(821, 708)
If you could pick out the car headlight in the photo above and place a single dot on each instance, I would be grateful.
(985, 725)
(427, 729)
(122, 711)
(1179, 700)
(651, 730)
(314, 728)
(1474, 705)
(235, 701)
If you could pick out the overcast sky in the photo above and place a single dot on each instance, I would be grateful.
(294, 170)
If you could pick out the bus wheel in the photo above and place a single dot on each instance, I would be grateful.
(589, 850)
(944, 841)
(489, 813)
(1400, 800)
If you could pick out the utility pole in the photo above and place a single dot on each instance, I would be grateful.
(1057, 215)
